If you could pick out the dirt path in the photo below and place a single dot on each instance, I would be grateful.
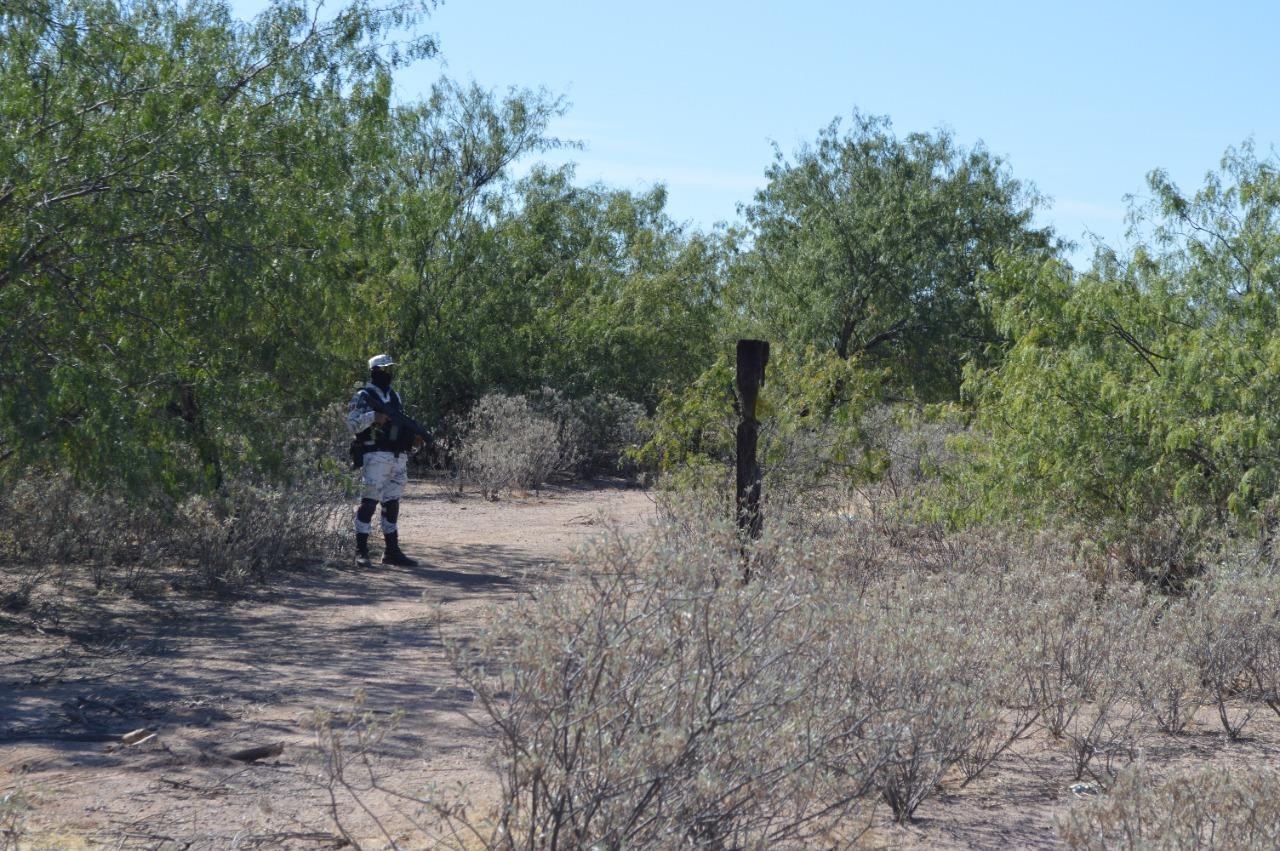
(211, 677)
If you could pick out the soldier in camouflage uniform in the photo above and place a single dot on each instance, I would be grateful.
(383, 453)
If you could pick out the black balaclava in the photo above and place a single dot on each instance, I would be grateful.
(381, 379)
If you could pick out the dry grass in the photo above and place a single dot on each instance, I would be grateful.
(656, 700)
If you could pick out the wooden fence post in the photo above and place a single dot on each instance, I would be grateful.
(753, 355)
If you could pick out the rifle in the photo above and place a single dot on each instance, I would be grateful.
(403, 429)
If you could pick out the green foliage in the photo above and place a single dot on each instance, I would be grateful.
(810, 408)
(179, 201)
(546, 283)
(206, 226)
(874, 246)
(1146, 388)
(441, 287)
(630, 296)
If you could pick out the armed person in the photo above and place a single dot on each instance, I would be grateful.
(383, 439)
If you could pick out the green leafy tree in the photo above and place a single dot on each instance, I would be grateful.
(1146, 390)
(627, 300)
(874, 246)
(810, 408)
(182, 201)
(543, 282)
(441, 295)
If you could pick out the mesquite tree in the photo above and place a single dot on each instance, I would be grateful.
(180, 195)
(1144, 393)
(874, 246)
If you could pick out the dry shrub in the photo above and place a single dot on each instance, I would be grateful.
(660, 703)
(15, 803)
(251, 528)
(56, 521)
(506, 444)
(1165, 680)
(1231, 640)
(594, 432)
(913, 449)
(903, 453)
(220, 542)
(1205, 808)
(1161, 550)
(53, 520)
(348, 742)
(659, 700)
(993, 733)
(925, 691)
(524, 441)
(1106, 736)
(1061, 646)
(966, 607)
(1058, 649)
(24, 581)
(1264, 663)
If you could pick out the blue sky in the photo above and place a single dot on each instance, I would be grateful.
(1081, 99)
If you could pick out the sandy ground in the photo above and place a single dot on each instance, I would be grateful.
(210, 677)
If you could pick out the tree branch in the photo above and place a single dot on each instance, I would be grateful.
(1145, 353)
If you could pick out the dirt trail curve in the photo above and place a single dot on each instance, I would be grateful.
(211, 677)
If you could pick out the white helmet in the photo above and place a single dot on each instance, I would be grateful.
(381, 362)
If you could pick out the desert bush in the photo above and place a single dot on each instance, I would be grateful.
(659, 699)
(254, 527)
(905, 450)
(823, 437)
(347, 744)
(1161, 549)
(1203, 808)
(53, 519)
(660, 705)
(1058, 639)
(1164, 678)
(523, 441)
(505, 443)
(1264, 664)
(993, 732)
(14, 805)
(1061, 649)
(594, 432)
(1106, 735)
(1234, 620)
(613, 428)
(928, 705)
(24, 582)
(221, 540)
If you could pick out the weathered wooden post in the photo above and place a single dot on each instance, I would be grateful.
(753, 355)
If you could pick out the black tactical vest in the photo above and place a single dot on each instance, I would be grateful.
(377, 438)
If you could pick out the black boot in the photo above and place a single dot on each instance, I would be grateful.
(393, 553)
(362, 550)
